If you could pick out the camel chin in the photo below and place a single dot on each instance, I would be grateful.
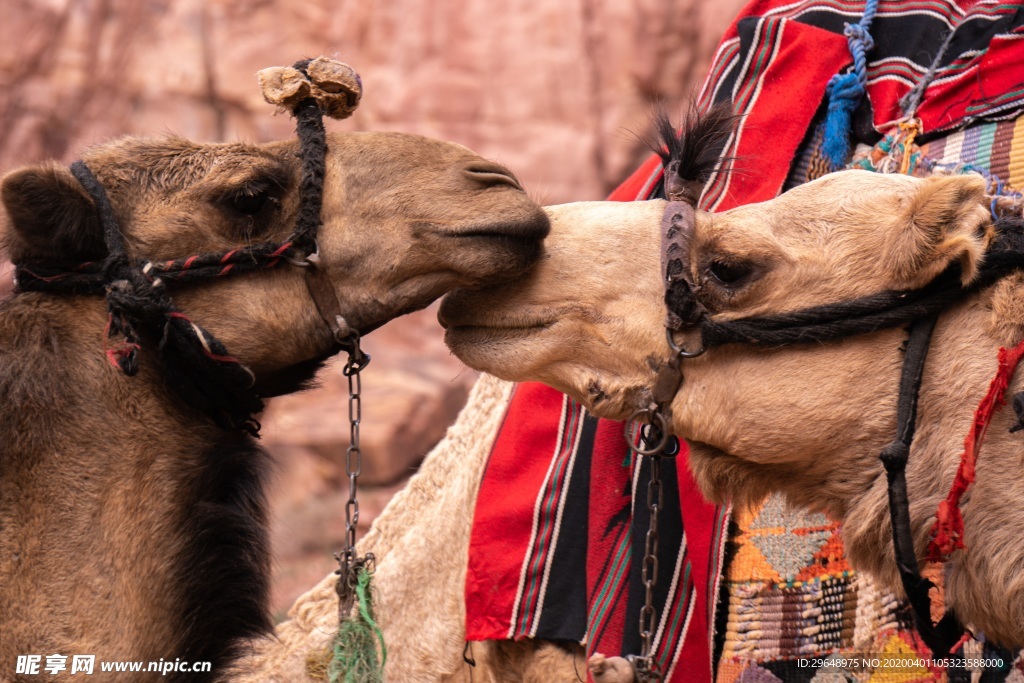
(538, 353)
(563, 323)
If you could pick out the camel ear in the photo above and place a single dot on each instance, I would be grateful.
(50, 217)
(947, 220)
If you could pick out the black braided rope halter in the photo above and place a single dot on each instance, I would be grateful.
(917, 308)
(884, 310)
(140, 311)
(195, 363)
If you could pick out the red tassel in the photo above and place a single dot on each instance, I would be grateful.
(948, 531)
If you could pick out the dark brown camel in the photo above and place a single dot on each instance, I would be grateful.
(132, 526)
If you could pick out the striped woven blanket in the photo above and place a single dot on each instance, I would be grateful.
(763, 594)
(548, 559)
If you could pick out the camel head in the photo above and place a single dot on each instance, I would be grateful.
(170, 504)
(589, 319)
(405, 219)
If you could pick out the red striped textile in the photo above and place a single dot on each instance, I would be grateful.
(775, 109)
(521, 527)
(775, 61)
(546, 518)
(535, 518)
(504, 518)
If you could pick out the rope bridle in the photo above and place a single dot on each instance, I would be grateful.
(197, 365)
(918, 308)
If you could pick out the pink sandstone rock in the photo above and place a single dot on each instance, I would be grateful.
(559, 90)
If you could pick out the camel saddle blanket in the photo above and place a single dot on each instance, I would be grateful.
(761, 595)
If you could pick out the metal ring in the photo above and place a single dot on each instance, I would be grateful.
(663, 426)
(680, 351)
(356, 364)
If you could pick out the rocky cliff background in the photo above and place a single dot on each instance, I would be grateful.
(558, 90)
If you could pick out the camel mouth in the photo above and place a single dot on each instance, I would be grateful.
(495, 332)
(507, 242)
(474, 322)
(497, 329)
(528, 226)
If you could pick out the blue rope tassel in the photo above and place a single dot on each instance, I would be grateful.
(845, 91)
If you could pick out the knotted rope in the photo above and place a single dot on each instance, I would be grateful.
(845, 91)
(309, 90)
(196, 364)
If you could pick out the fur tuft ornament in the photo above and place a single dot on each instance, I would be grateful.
(334, 85)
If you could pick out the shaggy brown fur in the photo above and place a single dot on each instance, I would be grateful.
(808, 421)
(130, 526)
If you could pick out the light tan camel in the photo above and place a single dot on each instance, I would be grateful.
(131, 526)
(808, 421)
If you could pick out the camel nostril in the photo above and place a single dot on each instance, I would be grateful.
(490, 175)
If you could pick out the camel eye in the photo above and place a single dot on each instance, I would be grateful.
(251, 209)
(249, 204)
(253, 198)
(729, 274)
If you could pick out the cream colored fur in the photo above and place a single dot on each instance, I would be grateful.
(421, 542)
(807, 421)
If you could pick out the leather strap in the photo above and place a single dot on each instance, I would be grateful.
(677, 226)
(940, 637)
(321, 289)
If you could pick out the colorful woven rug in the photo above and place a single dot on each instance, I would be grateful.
(762, 595)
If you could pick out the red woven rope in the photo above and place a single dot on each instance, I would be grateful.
(948, 531)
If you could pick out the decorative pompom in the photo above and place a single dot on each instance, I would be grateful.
(334, 85)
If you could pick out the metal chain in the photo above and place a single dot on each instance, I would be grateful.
(349, 563)
(645, 665)
(657, 443)
(649, 574)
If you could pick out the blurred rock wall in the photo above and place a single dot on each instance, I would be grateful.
(555, 89)
(559, 90)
